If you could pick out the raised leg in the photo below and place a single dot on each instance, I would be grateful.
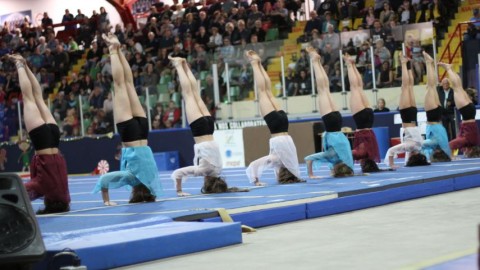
(407, 84)
(324, 99)
(30, 109)
(432, 100)
(192, 112)
(121, 101)
(356, 86)
(267, 104)
(461, 97)
(194, 87)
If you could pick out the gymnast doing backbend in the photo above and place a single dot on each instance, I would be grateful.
(412, 140)
(137, 166)
(365, 146)
(48, 169)
(207, 160)
(467, 138)
(435, 147)
(337, 152)
(283, 153)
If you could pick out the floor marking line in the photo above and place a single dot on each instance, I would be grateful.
(441, 259)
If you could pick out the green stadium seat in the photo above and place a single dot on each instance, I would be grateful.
(272, 34)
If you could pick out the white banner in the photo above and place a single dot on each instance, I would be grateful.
(231, 147)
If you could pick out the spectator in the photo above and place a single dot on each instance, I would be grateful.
(254, 15)
(447, 101)
(328, 21)
(61, 62)
(327, 6)
(108, 103)
(68, 17)
(191, 9)
(385, 77)
(407, 13)
(303, 84)
(317, 41)
(258, 31)
(381, 54)
(157, 116)
(381, 106)
(60, 106)
(172, 117)
(150, 79)
(314, 23)
(103, 20)
(46, 21)
(331, 38)
(378, 32)
(387, 14)
(96, 99)
(369, 17)
(259, 48)
(418, 61)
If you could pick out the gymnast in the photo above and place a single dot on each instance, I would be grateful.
(365, 146)
(207, 161)
(435, 147)
(412, 139)
(467, 138)
(137, 166)
(48, 170)
(283, 153)
(337, 152)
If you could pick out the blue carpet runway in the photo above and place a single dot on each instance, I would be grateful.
(158, 230)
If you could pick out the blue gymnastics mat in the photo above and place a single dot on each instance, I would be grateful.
(469, 262)
(262, 206)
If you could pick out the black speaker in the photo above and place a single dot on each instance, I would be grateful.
(21, 242)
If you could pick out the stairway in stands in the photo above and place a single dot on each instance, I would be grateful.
(289, 49)
(465, 12)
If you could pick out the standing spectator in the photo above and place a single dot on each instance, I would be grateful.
(331, 38)
(46, 21)
(447, 101)
(68, 17)
(103, 20)
(381, 53)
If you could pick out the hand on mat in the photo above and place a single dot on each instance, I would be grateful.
(259, 184)
(182, 194)
(109, 203)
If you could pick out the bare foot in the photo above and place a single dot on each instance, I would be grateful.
(428, 58)
(403, 59)
(252, 56)
(314, 176)
(259, 184)
(182, 194)
(110, 203)
(176, 61)
(112, 41)
(445, 65)
(348, 59)
(312, 52)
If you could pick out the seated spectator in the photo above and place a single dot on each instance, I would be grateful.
(60, 106)
(381, 106)
(258, 30)
(385, 77)
(314, 23)
(317, 41)
(303, 84)
(172, 116)
(378, 32)
(328, 21)
(96, 100)
(241, 32)
(215, 39)
(254, 16)
(381, 54)
(331, 38)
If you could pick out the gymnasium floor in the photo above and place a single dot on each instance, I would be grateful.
(267, 206)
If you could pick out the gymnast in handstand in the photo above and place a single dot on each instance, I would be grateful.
(412, 139)
(137, 166)
(435, 147)
(365, 146)
(467, 138)
(283, 153)
(48, 170)
(337, 152)
(207, 161)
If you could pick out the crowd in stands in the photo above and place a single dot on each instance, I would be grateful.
(217, 32)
